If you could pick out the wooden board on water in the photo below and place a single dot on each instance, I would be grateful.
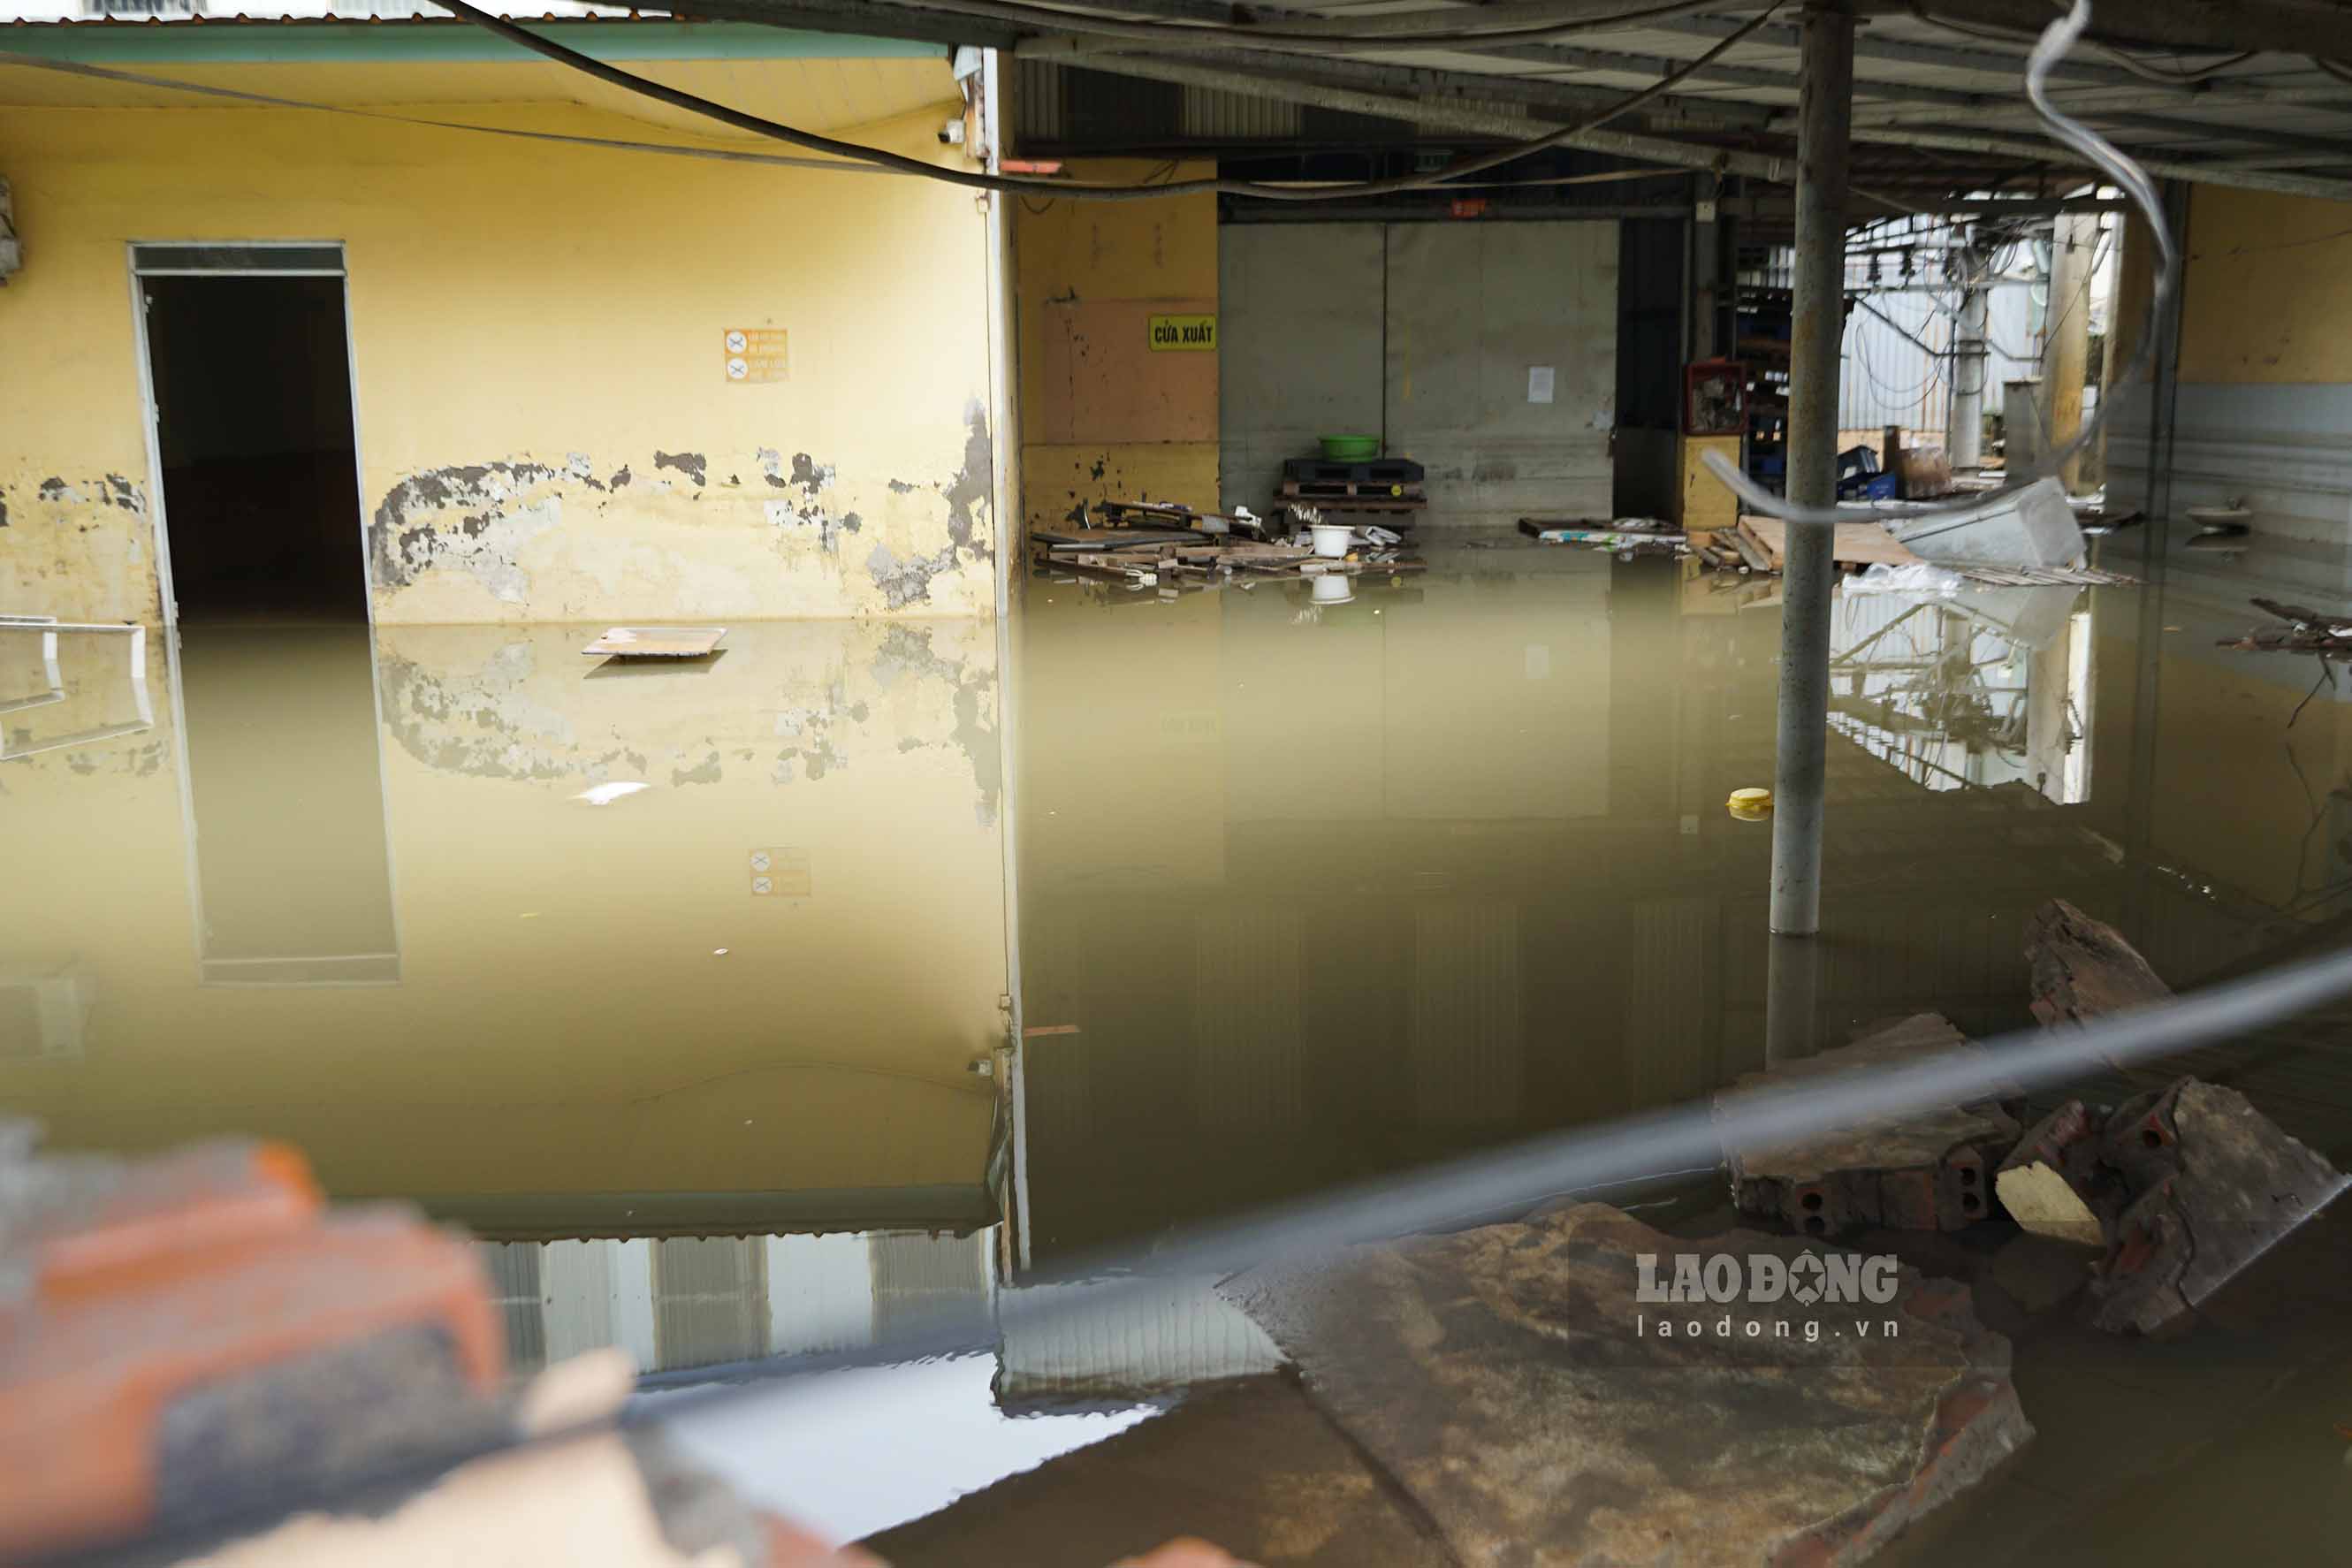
(656, 642)
(1112, 538)
(1858, 544)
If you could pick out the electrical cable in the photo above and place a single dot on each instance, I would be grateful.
(2056, 40)
(2140, 66)
(848, 157)
(1384, 33)
(270, 101)
(1036, 186)
(2147, 70)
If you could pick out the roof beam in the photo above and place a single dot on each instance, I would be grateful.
(2160, 125)
(1290, 86)
(1957, 55)
(2214, 26)
(2119, 99)
(2163, 167)
(1436, 84)
(862, 16)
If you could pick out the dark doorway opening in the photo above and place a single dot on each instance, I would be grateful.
(252, 426)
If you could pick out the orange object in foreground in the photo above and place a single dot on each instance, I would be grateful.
(176, 1332)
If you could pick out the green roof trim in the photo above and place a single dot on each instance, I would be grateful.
(258, 43)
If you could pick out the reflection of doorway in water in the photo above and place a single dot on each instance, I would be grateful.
(292, 866)
(249, 367)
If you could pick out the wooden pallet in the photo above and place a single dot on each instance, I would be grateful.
(1371, 470)
(1313, 491)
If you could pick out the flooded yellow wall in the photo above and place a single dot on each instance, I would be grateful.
(1072, 257)
(563, 1023)
(547, 430)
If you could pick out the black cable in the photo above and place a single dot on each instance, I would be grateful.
(1184, 33)
(1018, 183)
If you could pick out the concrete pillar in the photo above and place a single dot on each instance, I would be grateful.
(2066, 349)
(1824, 115)
(1966, 434)
(1702, 312)
(1792, 999)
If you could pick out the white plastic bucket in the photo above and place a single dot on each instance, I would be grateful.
(1331, 538)
(1335, 588)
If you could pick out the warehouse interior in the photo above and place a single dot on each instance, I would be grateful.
(1066, 905)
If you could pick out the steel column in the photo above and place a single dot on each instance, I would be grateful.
(1825, 106)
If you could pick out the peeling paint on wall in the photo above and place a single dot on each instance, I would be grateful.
(908, 580)
(409, 535)
(77, 548)
(573, 535)
(812, 481)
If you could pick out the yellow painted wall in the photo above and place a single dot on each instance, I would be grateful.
(1066, 251)
(528, 320)
(1705, 503)
(2268, 285)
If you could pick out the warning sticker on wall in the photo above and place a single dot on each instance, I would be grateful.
(1183, 334)
(756, 354)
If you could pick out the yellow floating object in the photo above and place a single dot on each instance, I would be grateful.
(1749, 803)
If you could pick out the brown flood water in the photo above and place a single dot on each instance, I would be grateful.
(674, 981)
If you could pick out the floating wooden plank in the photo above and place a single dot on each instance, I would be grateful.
(1758, 558)
(1111, 538)
(1608, 538)
(1857, 543)
(656, 642)
(2043, 577)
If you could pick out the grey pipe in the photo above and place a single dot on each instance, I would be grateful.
(1817, 332)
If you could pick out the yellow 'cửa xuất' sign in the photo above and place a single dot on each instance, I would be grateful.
(1183, 334)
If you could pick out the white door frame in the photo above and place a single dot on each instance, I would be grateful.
(157, 264)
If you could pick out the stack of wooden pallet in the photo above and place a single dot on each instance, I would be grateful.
(1378, 484)
(1147, 556)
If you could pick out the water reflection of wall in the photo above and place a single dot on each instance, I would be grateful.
(682, 1305)
(2231, 771)
(566, 1038)
(1327, 897)
(679, 1302)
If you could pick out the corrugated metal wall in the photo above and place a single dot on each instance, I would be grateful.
(1153, 1337)
(710, 1299)
(679, 1302)
(1898, 371)
(931, 1283)
(1057, 108)
(514, 1270)
(1249, 1020)
(1469, 1033)
(2280, 450)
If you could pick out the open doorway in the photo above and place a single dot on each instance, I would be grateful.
(250, 367)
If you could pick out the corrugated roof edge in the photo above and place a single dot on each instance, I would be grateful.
(440, 40)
